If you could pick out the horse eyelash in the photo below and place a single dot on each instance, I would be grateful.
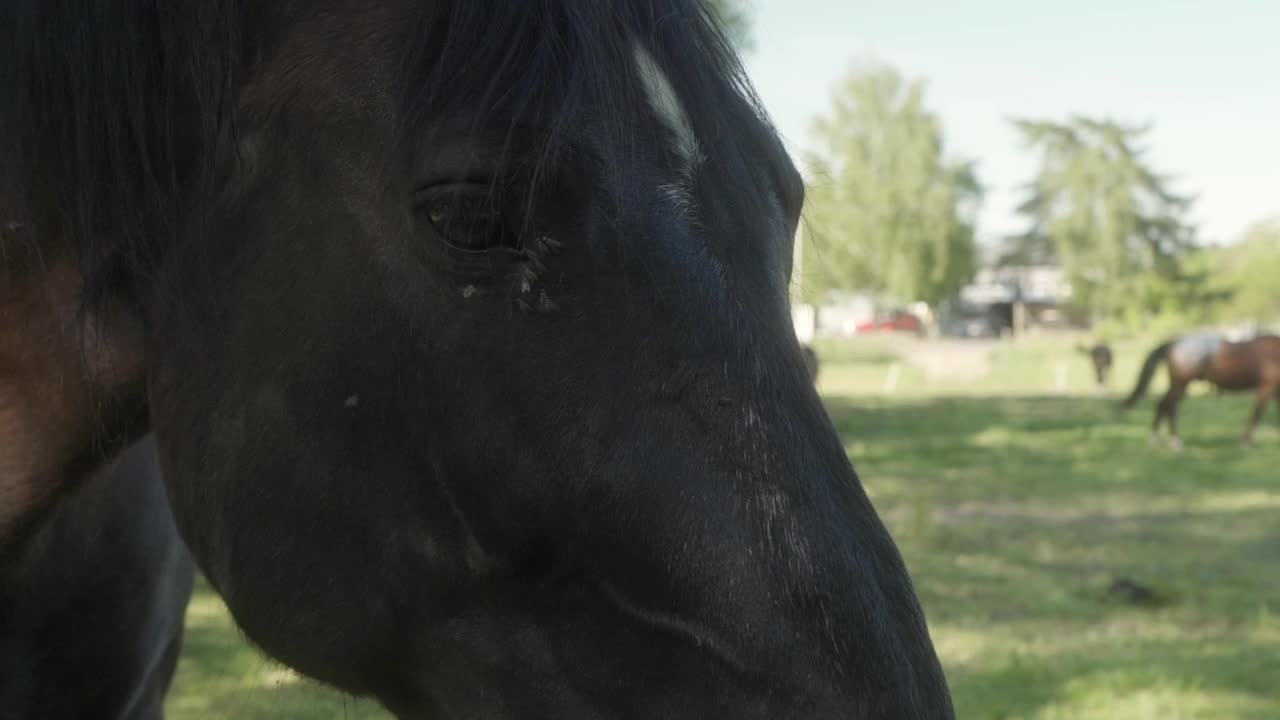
(532, 271)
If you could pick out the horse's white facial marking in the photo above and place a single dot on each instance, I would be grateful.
(679, 197)
(666, 103)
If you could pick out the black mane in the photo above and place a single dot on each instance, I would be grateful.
(113, 103)
(119, 104)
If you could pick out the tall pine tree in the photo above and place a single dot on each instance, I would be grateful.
(1097, 208)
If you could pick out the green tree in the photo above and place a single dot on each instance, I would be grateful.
(735, 15)
(1250, 271)
(1097, 208)
(887, 212)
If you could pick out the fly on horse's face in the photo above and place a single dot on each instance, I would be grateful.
(476, 386)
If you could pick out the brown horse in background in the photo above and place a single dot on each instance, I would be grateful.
(1102, 358)
(1230, 366)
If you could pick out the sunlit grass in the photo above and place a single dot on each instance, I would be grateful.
(1016, 504)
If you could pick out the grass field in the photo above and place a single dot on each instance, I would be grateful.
(1017, 497)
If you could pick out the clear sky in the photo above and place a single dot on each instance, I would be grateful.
(1205, 73)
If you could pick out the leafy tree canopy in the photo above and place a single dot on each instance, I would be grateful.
(888, 212)
(736, 17)
(1097, 207)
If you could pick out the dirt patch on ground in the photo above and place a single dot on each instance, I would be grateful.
(948, 359)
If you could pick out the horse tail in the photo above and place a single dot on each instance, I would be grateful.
(1156, 357)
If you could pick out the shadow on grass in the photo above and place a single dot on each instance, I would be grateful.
(1046, 447)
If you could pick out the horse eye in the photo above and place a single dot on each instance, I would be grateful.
(437, 213)
(466, 218)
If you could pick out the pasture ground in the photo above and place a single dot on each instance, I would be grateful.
(1018, 497)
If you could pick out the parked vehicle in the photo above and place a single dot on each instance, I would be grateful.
(897, 321)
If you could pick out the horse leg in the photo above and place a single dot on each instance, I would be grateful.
(1174, 397)
(1164, 409)
(1155, 424)
(1264, 396)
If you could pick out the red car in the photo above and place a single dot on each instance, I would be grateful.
(894, 322)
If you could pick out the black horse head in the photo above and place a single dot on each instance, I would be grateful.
(469, 354)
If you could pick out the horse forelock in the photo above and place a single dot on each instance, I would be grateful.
(577, 70)
(118, 103)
